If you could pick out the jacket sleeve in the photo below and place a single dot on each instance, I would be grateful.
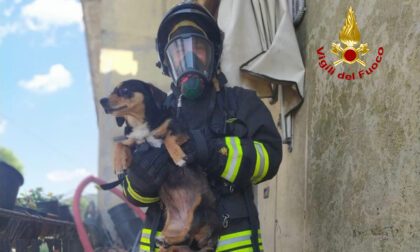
(145, 175)
(139, 191)
(254, 156)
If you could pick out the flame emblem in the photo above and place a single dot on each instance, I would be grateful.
(350, 36)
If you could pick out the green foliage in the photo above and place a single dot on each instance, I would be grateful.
(35, 195)
(7, 156)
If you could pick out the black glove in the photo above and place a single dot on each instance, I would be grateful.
(150, 163)
(196, 148)
(204, 151)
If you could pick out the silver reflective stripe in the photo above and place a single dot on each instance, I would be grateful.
(145, 240)
(261, 163)
(145, 235)
(234, 158)
(239, 241)
(260, 166)
(232, 240)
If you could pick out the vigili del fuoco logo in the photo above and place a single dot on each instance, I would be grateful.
(351, 53)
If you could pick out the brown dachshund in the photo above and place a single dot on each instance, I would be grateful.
(190, 206)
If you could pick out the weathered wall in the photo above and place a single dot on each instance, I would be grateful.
(363, 136)
(282, 212)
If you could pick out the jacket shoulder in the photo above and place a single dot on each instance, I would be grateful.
(240, 92)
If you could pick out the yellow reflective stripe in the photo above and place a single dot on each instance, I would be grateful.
(125, 193)
(238, 240)
(234, 158)
(234, 240)
(257, 169)
(138, 197)
(145, 240)
(149, 231)
(261, 164)
(260, 241)
(234, 235)
(266, 164)
(229, 160)
(145, 235)
(248, 249)
(231, 120)
(144, 248)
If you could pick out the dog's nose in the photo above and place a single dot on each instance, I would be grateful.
(105, 103)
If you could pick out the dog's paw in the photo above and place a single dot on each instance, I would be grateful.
(122, 158)
(161, 241)
(181, 163)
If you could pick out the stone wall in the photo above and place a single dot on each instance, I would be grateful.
(362, 144)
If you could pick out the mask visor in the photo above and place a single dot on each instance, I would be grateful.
(190, 54)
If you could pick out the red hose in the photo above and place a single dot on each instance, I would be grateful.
(78, 217)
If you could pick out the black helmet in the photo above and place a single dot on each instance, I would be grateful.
(197, 14)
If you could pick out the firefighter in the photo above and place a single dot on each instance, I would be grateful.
(232, 134)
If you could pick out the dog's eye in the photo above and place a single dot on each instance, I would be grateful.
(124, 92)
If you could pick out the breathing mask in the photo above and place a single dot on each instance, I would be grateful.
(189, 57)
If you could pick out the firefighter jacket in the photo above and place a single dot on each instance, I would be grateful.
(244, 149)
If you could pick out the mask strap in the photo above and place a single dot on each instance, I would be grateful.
(186, 23)
(219, 80)
(216, 84)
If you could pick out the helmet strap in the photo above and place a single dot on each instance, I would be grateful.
(219, 80)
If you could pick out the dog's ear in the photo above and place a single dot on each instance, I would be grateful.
(158, 95)
(120, 121)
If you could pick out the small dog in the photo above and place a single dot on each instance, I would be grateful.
(190, 206)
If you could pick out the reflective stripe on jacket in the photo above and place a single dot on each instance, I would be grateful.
(238, 241)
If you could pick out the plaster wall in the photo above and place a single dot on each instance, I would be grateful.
(362, 155)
